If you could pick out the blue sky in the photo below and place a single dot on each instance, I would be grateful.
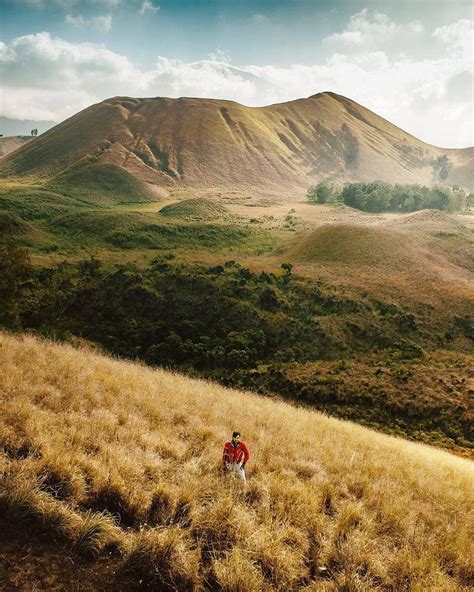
(409, 61)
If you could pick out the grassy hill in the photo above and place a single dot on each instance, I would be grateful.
(355, 246)
(217, 144)
(101, 184)
(113, 470)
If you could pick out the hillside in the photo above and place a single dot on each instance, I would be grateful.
(10, 143)
(113, 471)
(217, 144)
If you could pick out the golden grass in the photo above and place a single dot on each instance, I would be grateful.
(107, 454)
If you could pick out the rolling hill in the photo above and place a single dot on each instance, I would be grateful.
(110, 477)
(217, 144)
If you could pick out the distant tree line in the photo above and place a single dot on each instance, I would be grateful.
(378, 196)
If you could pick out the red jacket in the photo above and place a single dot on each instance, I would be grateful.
(234, 454)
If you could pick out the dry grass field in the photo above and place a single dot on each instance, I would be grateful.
(119, 464)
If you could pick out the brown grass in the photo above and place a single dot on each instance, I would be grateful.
(108, 455)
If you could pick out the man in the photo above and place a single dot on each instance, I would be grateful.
(235, 456)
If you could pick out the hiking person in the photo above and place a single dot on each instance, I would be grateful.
(235, 456)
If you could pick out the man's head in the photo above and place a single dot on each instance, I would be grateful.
(235, 437)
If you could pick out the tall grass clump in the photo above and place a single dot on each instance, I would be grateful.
(106, 455)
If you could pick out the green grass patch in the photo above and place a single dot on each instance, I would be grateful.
(196, 209)
(101, 184)
(35, 202)
(124, 230)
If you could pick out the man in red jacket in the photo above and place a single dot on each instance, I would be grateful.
(235, 456)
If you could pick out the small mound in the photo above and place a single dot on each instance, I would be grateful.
(434, 218)
(95, 182)
(196, 209)
(96, 224)
(348, 244)
(126, 230)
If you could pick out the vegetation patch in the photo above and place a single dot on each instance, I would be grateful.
(11, 225)
(196, 209)
(36, 202)
(377, 196)
(101, 183)
(355, 245)
(126, 230)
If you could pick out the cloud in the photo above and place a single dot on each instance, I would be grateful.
(75, 21)
(458, 37)
(49, 78)
(148, 6)
(219, 55)
(102, 22)
(369, 32)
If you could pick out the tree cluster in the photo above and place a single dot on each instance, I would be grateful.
(378, 196)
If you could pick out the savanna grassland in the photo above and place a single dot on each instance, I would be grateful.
(117, 466)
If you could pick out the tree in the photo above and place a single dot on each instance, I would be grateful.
(286, 277)
(269, 300)
(34, 132)
(320, 193)
(441, 168)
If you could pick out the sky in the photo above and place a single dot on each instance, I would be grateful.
(409, 61)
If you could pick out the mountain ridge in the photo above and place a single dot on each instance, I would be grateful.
(221, 144)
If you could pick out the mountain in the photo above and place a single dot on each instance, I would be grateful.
(111, 477)
(216, 144)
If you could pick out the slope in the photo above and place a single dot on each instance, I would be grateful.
(119, 464)
(11, 143)
(222, 144)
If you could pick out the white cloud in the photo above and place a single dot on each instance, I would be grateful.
(458, 38)
(49, 78)
(147, 6)
(220, 55)
(101, 22)
(75, 21)
(366, 31)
